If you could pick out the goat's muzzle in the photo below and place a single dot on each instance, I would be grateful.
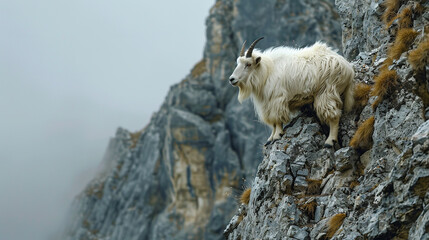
(233, 81)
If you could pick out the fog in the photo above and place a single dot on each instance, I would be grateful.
(71, 72)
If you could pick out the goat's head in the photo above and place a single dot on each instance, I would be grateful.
(245, 64)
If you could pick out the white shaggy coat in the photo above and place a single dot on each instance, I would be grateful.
(280, 80)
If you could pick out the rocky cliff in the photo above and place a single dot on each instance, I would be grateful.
(180, 177)
(378, 187)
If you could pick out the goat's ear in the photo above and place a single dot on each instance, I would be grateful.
(257, 60)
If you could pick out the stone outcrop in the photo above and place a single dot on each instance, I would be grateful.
(180, 176)
(303, 191)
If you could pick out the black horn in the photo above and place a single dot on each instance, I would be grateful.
(242, 49)
(252, 46)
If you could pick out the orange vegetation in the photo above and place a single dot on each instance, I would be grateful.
(404, 39)
(363, 136)
(361, 96)
(313, 187)
(334, 224)
(405, 18)
(354, 184)
(245, 196)
(309, 208)
(419, 57)
(384, 84)
(392, 7)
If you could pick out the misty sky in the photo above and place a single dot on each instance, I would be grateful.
(71, 72)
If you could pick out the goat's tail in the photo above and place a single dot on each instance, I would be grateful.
(349, 99)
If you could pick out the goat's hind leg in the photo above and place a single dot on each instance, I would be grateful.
(333, 132)
(328, 108)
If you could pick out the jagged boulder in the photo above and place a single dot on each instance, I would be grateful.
(293, 186)
(379, 188)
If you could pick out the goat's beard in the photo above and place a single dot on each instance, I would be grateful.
(243, 92)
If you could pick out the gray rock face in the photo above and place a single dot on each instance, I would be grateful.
(177, 178)
(361, 26)
(302, 191)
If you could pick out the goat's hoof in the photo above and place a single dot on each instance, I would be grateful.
(335, 145)
(282, 134)
(275, 140)
(268, 143)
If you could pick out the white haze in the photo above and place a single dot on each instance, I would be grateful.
(71, 72)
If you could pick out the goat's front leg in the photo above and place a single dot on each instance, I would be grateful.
(276, 134)
(270, 139)
(333, 132)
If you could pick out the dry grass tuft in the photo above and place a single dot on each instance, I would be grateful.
(419, 60)
(384, 84)
(418, 9)
(419, 57)
(354, 184)
(313, 187)
(363, 136)
(245, 196)
(387, 79)
(391, 7)
(361, 96)
(404, 39)
(309, 207)
(334, 224)
(285, 147)
(240, 218)
(405, 18)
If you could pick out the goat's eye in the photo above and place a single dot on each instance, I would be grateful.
(248, 64)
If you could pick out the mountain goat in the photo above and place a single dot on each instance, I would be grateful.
(282, 79)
